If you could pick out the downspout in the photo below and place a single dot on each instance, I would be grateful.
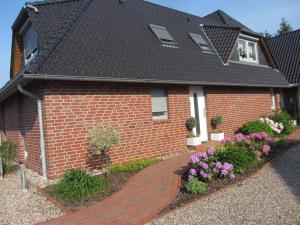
(41, 127)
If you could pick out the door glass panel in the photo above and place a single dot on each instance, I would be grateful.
(196, 107)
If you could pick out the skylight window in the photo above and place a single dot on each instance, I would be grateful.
(163, 35)
(199, 40)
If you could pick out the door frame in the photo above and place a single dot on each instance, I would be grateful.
(202, 118)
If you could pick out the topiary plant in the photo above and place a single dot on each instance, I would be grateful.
(190, 123)
(216, 121)
(102, 139)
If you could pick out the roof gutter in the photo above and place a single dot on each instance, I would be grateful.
(129, 80)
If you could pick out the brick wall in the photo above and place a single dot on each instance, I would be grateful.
(73, 109)
(20, 125)
(237, 105)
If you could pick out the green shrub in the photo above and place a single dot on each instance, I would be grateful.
(133, 166)
(286, 120)
(257, 127)
(8, 151)
(190, 123)
(76, 185)
(240, 156)
(282, 144)
(216, 121)
(196, 187)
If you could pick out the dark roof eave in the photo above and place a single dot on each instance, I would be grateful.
(130, 80)
(10, 87)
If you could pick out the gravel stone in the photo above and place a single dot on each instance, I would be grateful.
(23, 208)
(271, 197)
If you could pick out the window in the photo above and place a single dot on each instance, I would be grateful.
(159, 103)
(30, 43)
(199, 40)
(163, 35)
(247, 51)
(273, 98)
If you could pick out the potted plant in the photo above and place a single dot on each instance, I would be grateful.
(217, 135)
(192, 139)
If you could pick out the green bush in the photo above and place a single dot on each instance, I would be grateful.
(8, 151)
(286, 120)
(277, 148)
(76, 185)
(133, 166)
(240, 156)
(196, 187)
(257, 127)
(282, 144)
(216, 121)
(190, 123)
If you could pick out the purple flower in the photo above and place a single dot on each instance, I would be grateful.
(239, 137)
(190, 178)
(211, 151)
(202, 155)
(193, 159)
(256, 136)
(225, 140)
(218, 165)
(224, 172)
(263, 135)
(227, 166)
(203, 174)
(231, 176)
(266, 149)
(193, 172)
(203, 165)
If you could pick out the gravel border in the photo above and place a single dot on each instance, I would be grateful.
(23, 208)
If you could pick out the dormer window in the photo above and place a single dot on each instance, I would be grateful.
(247, 50)
(163, 35)
(30, 42)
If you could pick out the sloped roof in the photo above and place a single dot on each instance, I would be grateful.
(223, 38)
(109, 40)
(219, 17)
(285, 50)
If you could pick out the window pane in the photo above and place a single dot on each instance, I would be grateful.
(242, 49)
(252, 50)
(29, 41)
(273, 99)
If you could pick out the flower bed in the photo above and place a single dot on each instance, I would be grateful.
(215, 169)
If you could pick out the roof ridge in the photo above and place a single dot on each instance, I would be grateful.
(222, 26)
(46, 2)
(281, 35)
(34, 65)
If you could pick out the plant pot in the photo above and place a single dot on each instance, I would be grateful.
(194, 141)
(217, 136)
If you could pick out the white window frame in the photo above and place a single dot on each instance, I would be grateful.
(273, 99)
(160, 115)
(248, 59)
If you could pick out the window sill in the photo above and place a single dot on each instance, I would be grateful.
(159, 121)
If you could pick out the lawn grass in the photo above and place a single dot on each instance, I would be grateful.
(134, 166)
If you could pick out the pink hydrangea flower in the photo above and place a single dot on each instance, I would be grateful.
(239, 137)
(193, 172)
(193, 159)
(202, 155)
(266, 149)
(231, 176)
(203, 165)
(211, 151)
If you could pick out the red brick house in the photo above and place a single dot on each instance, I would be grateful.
(139, 67)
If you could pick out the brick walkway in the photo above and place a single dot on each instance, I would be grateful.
(145, 195)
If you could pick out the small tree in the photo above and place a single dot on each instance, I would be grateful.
(8, 151)
(284, 27)
(267, 35)
(102, 139)
(216, 121)
(190, 125)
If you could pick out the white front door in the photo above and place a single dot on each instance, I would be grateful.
(198, 110)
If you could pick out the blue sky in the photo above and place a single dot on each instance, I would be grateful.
(259, 15)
